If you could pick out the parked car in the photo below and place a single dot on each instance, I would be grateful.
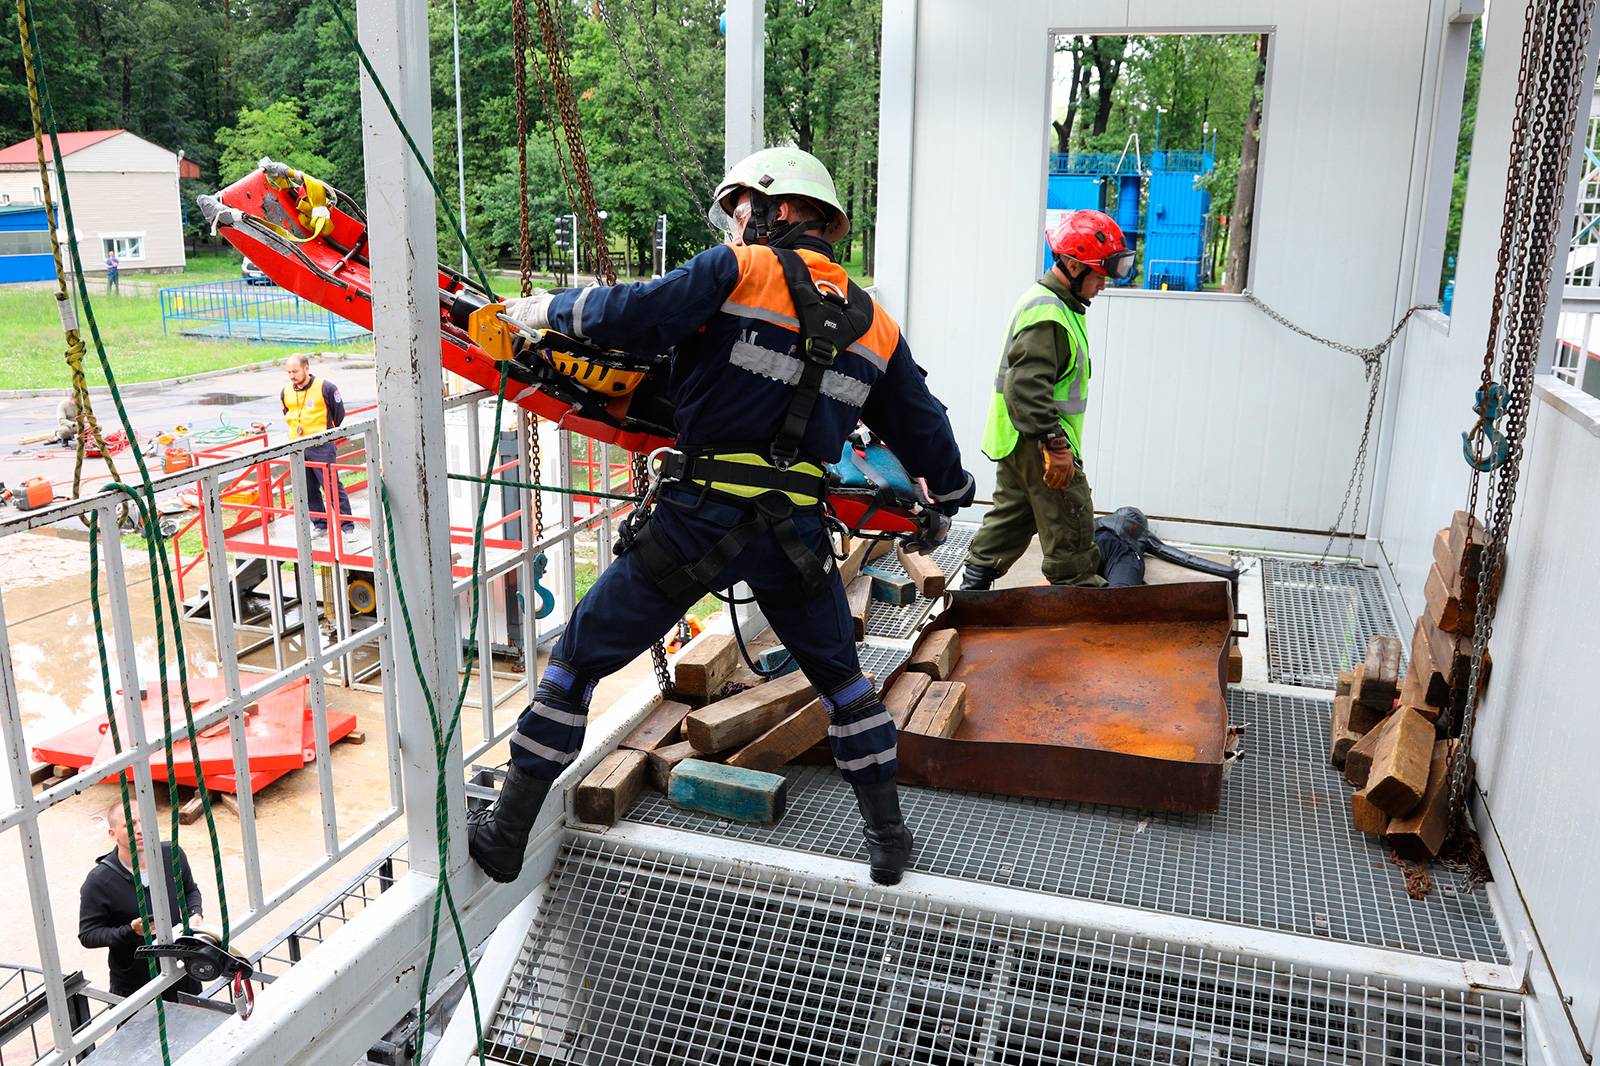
(253, 275)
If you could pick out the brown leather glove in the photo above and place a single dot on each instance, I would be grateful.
(1058, 462)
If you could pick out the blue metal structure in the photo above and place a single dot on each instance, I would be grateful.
(1170, 231)
(25, 244)
(236, 310)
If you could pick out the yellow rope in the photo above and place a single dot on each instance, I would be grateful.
(88, 425)
(315, 217)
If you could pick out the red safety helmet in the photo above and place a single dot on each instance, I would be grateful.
(1094, 240)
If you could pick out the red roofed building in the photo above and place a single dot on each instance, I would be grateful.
(124, 196)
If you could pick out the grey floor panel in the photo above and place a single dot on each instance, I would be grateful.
(1320, 617)
(1280, 854)
(654, 959)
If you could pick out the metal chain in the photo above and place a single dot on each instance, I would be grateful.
(655, 118)
(561, 88)
(520, 34)
(1372, 363)
(658, 651)
(672, 98)
(1550, 88)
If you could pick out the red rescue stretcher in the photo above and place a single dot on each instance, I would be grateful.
(312, 240)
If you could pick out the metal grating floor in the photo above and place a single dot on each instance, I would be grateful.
(898, 622)
(1281, 854)
(1319, 619)
(651, 959)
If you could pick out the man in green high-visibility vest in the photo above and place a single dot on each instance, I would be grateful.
(1035, 427)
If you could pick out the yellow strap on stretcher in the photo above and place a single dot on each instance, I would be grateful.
(315, 216)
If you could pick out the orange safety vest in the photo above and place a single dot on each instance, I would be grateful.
(762, 292)
(306, 410)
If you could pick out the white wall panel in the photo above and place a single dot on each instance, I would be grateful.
(1180, 384)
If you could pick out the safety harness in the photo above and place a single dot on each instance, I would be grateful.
(776, 487)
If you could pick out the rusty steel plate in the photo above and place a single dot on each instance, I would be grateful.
(1114, 696)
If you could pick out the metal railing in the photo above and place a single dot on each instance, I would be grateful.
(516, 552)
(240, 310)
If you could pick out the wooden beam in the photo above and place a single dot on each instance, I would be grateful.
(936, 654)
(728, 791)
(1364, 717)
(1367, 818)
(904, 696)
(661, 727)
(741, 718)
(1435, 685)
(930, 580)
(605, 795)
(664, 758)
(706, 664)
(1358, 762)
(941, 711)
(1341, 738)
(897, 589)
(1235, 663)
(1419, 835)
(1399, 774)
(1466, 543)
(1346, 679)
(1380, 681)
(1444, 608)
(785, 741)
(859, 593)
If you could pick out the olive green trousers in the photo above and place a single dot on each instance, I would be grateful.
(1023, 506)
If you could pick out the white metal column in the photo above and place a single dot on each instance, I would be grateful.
(405, 321)
(745, 74)
(896, 115)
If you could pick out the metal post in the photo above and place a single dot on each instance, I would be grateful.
(745, 79)
(461, 149)
(896, 118)
(405, 313)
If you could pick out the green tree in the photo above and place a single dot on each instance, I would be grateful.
(276, 131)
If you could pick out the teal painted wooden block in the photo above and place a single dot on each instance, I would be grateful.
(780, 658)
(728, 791)
(891, 588)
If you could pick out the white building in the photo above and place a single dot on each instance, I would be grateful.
(124, 196)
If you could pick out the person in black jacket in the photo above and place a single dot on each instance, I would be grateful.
(108, 908)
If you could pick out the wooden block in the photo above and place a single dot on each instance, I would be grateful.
(1367, 818)
(1358, 761)
(1380, 678)
(660, 727)
(1452, 655)
(930, 580)
(936, 654)
(664, 758)
(38, 772)
(728, 791)
(1444, 608)
(1364, 717)
(191, 810)
(1435, 686)
(1341, 738)
(741, 718)
(1441, 551)
(785, 741)
(1466, 543)
(1399, 774)
(1414, 694)
(941, 710)
(228, 801)
(605, 795)
(905, 694)
(850, 569)
(1346, 679)
(355, 736)
(778, 659)
(64, 772)
(705, 664)
(859, 593)
(1418, 836)
(897, 589)
(1235, 664)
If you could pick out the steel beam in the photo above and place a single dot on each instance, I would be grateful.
(745, 74)
(405, 323)
(896, 119)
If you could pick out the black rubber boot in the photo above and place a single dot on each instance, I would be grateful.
(497, 837)
(978, 578)
(889, 842)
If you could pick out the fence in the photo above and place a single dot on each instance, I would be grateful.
(24, 811)
(244, 311)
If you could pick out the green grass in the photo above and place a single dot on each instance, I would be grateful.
(32, 355)
(203, 266)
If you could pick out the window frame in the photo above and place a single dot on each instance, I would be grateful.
(109, 242)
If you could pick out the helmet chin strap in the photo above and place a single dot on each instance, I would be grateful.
(1074, 282)
(764, 226)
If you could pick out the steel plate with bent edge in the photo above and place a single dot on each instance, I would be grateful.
(1114, 696)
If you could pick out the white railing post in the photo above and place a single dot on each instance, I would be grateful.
(405, 320)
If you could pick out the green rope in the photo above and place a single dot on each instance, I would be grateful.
(438, 193)
(544, 488)
(443, 737)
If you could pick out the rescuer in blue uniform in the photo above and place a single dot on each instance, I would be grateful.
(776, 356)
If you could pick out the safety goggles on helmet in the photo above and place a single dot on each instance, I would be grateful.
(1118, 265)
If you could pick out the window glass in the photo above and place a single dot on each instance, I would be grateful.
(27, 242)
(131, 247)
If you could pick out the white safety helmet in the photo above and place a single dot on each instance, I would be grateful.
(778, 172)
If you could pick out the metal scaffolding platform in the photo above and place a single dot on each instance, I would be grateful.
(644, 957)
(1320, 617)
